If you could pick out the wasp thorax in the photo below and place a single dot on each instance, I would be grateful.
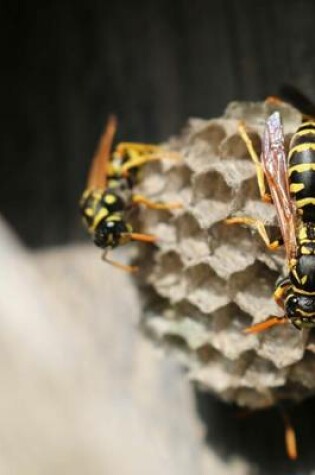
(303, 276)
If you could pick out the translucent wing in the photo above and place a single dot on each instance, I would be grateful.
(276, 172)
(98, 171)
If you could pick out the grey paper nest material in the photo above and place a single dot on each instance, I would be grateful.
(211, 280)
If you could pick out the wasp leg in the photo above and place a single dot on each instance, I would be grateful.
(140, 237)
(137, 160)
(281, 288)
(140, 154)
(270, 322)
(290, 436)
(139, 199)
(141, 148)
(260, 228)
(119, 265)
(275, 101)
(259, 170)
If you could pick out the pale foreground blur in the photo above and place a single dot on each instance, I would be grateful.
(82, 392)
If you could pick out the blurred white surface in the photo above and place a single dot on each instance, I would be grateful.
(82, 392)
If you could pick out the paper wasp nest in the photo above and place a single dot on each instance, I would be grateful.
(206, 280)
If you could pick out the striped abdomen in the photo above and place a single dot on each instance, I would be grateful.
(302, 170)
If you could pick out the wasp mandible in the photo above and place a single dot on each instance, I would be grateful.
(291, 181)
(109, 195)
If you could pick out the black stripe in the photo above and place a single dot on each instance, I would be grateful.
(310, 232)
(296, 178)
(306, 126)
(307, 156)
(308, 180)
(308, 215)
(304, 139)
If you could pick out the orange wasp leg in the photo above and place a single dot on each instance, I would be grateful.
(290, 437)
(139, 199)
(260, 228)
(259, 170)
(149, 238)
(270, 322)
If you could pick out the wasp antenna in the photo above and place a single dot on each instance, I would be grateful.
(119, 265)
(260, 327)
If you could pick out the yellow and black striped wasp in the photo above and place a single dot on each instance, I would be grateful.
(291, 181)
(109, 195)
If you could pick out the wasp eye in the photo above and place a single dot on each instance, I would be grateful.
(291, 306)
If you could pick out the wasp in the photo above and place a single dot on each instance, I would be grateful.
(109, 195)
(291, 182)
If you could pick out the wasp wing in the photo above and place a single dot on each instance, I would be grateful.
(98, 172)
(276, 171)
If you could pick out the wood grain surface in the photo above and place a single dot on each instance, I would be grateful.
(66, 66)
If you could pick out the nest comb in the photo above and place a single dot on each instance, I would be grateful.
(206, 281)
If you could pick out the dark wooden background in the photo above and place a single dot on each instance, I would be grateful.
(66, 65)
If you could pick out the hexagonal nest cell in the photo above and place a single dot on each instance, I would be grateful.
(206, 280)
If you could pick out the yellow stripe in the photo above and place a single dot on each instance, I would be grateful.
(95, 192)
(85, 194)
(302, 167)
(296, 187)
(110, 199)
(303, 147)
(98, 218)
(114, 217)
(306, 124)
(113, 183)
(300, 133)
(296, 275)
(303, 233)
(304, 279)
(89, 212)
(305, 202)
(305, 314)
(305, 251)
(303, 292)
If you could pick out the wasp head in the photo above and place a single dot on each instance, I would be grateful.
(112, 232)
(300, 310)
